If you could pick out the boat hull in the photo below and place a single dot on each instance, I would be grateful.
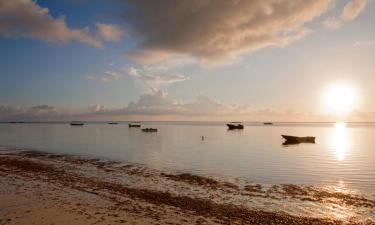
(296, 140)
(235, 126)
(76, 124)
(150, 130)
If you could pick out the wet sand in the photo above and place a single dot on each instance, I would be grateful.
(42, 188)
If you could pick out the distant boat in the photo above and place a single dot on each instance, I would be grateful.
(268, 123)
(113, 123)
(134, 124)
(296, 140)
(76, 123)
(150, 130)
(235, 125)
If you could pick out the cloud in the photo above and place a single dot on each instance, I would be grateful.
(217, 30)
(109, 32)
(150, 105)
(95, 108)
(205, 105)
(38, 112)
(359, 44)
(108, 75)
(157, 105)
(350, 11)
(155, 77)
(333, 23)
(27, 19)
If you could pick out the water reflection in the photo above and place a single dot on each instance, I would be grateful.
(340, 140)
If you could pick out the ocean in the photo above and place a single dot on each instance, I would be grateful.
(343, 155)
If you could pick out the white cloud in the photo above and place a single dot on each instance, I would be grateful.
(155, 77)
(27, 19)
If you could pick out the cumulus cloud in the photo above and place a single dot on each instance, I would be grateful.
(149, 105)
(155, 77)
(27, 19)
(350, 11)
(205, 105)
(215, 30)
(158, 105)
(95, 108)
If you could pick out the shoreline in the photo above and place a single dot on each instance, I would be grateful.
(94, 191)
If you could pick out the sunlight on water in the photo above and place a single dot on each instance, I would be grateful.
(340, 140)
(340, 187)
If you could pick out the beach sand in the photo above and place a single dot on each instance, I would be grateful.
(42, 188)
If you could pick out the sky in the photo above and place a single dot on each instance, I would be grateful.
(260, 60)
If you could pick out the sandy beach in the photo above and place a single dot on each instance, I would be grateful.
(42, 188)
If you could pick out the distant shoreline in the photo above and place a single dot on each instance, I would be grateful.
(181, 122)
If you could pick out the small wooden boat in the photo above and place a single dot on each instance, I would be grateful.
(235, 125)
(267, 123)
(150, 130)
(112, 123)
(296, 140)
(76, 123)
(134, 124)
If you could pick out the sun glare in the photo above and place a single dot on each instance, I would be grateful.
(340, 99)
(340, 140)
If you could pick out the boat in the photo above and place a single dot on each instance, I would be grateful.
(113, 123)
(268, 123)
(296, 140)
(235, 125)
(150, 130)
(76, 123)
(134, 124)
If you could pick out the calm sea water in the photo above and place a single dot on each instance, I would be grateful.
(344, 155)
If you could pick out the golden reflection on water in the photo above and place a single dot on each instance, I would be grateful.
(340, 140)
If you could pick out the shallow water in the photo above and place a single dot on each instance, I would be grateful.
(342, 156)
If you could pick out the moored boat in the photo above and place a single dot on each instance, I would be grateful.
(235, 125)
(76, 123)
(268, 123)
(149, 130)
(113, 123)
(296, 140)
(134, 124)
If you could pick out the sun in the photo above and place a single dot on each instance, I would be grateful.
(340, 99)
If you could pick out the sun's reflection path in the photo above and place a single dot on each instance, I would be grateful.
(340, 140)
